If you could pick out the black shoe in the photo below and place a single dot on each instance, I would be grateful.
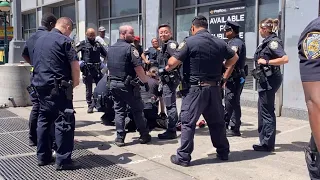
(119, 142)
(145, 139)
(90, 110)
(231, 133)
(168, 135)
(44, 163)
(264, 148)
(223, 157)
(32, 143)
(69, 166)
(175, 160)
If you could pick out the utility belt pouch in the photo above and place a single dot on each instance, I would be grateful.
(32, 91)
(128, 80)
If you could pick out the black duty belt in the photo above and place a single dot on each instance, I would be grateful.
(205, 83)
(114, 78)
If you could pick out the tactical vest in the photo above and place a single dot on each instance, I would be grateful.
(163, 56)
(91, 53)
(264, 52)
(119, 60)
(153, 53)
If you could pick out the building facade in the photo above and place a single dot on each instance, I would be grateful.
(146, 15)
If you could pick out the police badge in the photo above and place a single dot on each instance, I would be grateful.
(311, 45)
(234, 48)
(136, 53)
(181, 45)
(173, 46)
(274, 45)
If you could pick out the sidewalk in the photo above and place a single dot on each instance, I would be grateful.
(152, 161)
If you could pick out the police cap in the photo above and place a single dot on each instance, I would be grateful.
(231, 25)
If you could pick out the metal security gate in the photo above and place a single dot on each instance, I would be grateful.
(18, 161)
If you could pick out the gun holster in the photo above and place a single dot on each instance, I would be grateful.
(33, 91)
(67, 87)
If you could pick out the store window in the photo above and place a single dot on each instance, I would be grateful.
(29, 25)
(115, 13)
(67, 11)
(205, 1)
(181, 3)
(184, 18)
(268, 9)
(124, 7)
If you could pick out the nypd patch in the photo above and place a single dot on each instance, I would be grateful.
(311, 45)
(173, 46)
(181, 45)
(274, 45)
(135, 53)
(234, 48)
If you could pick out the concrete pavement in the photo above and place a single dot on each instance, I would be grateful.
(151, 161)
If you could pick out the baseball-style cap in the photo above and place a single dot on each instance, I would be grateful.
(101, 28)
(137, 38)
(231, 25)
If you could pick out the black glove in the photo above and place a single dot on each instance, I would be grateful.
(146, 86)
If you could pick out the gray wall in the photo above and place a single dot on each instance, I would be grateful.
(298, 15)
(28, 4)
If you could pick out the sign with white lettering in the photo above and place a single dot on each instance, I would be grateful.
(218, 15)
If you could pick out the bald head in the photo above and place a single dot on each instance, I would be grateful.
(126, 33)
(91, 34)
(64, 24)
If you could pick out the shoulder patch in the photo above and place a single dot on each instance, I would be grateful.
(78, 44)
(136, 53)
(173, 46)
(234, 48)
(311, 45)
(147, 49)
(274, 45)
(181, 45)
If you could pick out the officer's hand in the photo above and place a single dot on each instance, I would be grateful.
(146, 86)
(262, 61)
(148, 62)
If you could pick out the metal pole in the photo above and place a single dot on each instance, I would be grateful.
(279, 94)
(5, 39)
(17, 30)
(144, 27)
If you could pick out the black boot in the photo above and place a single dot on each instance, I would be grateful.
(168, 135)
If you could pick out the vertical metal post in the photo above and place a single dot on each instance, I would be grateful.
(17, 30)
(5, 39)
(279, 94)
(144, 26)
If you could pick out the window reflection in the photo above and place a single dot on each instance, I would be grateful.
(124, 7)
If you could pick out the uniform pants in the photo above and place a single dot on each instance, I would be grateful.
(266, 115)
(88, 81)
(33, 120)
(206, 101)
(232, 103)
(169, 98)
(124, 95)
(312, 158)
(57, 110)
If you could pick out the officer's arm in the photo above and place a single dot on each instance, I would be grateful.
(278, 51)
(25, 54)
(136, 61)
(229, 70)
(178, 57)
(73, 60)
(103, 51)
(312, 97)
(230, 56)
(144, 58)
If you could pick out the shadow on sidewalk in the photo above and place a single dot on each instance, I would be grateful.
(154, 141)
(91, 144)
(84, 123)
(297, 146)
(234, 156)
(252, 133)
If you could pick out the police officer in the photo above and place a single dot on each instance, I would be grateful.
(309, 55)
(103, 101)
(268, 58)
(91, 50)
(202, 56)
(124, 65)
(152, 54)
(47, 23)
(234, 83)
(56, 73)
(169, 88)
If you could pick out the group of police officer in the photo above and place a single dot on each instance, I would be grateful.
(197, 64)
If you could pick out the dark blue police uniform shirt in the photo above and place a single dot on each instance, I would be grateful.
(238, 46)
(102, 87)
(91, 52)
(309, 52)
(53, 53)
(29, 46)
(153, 92)
(274, 47)
(203, 54)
